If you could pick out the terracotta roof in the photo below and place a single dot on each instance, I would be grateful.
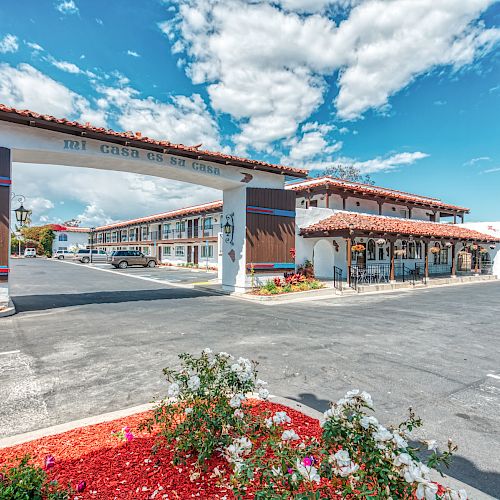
(342, 221)
(173, 214)
(135, 139)
(69, 229)
(333, 182)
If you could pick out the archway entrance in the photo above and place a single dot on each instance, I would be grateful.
(28, 137)
(324, 259)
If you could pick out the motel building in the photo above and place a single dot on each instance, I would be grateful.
(354, 234)
(185, 237)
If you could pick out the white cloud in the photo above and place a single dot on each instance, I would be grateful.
(491, 170)
(25, 87)
(264, 62)
(385, 164)
(313, 143)
(67, 7)
(183, 120)
(88, 191)
(67, 67)
(479, 159)
(35, 46)
(9, 43)
(133, 53)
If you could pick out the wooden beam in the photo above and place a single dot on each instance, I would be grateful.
(349, 259)
(453, 260)
(392, 276)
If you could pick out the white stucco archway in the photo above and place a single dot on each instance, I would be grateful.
(28, 137)
(324, 259)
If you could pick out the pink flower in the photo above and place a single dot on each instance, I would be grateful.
(81, 486)
(126, 429)
(290, 470)
(129, 436)
(307, 461)
(50, 461)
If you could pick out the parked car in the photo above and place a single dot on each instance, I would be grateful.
(62, 254)
(125, 258)
(30, 252)
(83, 255)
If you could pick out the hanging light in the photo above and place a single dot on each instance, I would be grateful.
(22, 215)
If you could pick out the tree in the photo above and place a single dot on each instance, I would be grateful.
(348, 173)
(40, 237)
(72, 223)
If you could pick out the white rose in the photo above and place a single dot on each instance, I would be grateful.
(173, 390)
(365, 422)
(194, 383)
(188, 411)
(289, 435)
(263, 393)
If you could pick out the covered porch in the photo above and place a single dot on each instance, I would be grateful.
(360, 250)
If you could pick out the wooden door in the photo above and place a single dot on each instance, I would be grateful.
(190, 228)
(195, 228)
(195, 254)
(189, 253)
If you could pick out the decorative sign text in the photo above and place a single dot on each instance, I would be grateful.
(139, 154)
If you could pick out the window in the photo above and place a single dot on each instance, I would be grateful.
(380, 253)
(63, 237)
(144, 232)
(179, 251)
(180, 226)
(62, 248)
(166, 230)
(418, 250)
(444, 255)
(437, 254)
(313, 203)
(167, 250)
(207, 251)
(208, 223)
(371, 250)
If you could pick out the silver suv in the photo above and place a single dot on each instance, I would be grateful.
(125, 258)
(84, 256)
(62, 254)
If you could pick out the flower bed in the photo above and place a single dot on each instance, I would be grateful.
(206, 439)
(289, 284)
(121, 469)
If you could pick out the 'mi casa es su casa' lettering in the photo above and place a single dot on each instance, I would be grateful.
(125, 152)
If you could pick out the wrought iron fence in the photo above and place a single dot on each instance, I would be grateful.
(486, 267)
(369, 274)
(337, 278)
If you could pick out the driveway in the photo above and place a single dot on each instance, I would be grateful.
(88, 341)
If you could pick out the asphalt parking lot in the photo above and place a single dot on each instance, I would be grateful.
(87, 341)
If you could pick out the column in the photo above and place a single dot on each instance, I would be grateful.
(348, 254)
(5, 183)
(344, 198)
(426, 249)
(380, 204)
(478, 256)
(453, 261)
(392, 276)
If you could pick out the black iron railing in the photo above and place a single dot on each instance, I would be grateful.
(337, 278)
(369, 274)
(486, 268)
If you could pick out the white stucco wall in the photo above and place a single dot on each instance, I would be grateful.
(75, 240)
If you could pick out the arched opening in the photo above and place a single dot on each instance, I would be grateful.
(323, 259)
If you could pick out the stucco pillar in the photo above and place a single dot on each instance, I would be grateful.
(478, 256)
(5, 186)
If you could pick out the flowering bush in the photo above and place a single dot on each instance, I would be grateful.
(292, 282)
(202, 412)
(25, 481)
(207, 413)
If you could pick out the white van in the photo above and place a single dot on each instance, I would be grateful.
(30, 252)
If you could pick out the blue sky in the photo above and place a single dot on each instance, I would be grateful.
(407, 91)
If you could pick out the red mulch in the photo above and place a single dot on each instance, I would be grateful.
(115, 470)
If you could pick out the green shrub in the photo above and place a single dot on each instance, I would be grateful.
(27, 482)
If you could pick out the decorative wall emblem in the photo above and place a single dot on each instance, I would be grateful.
(246, 177)
(229, 229)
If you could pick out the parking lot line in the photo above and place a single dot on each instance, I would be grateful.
(9, 352)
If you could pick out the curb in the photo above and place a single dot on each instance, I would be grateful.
(473, 493)
(10, 310)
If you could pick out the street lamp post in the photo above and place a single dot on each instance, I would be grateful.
(92, 229)
(21, 217)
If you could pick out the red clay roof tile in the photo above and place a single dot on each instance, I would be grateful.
(7, 113)
(342, 221)
(328, 181)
